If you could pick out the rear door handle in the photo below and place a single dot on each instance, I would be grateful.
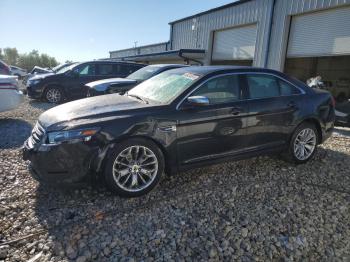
(236, 111)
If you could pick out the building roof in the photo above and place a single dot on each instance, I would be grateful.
(238, 2)
(190, 54)
(143, 46)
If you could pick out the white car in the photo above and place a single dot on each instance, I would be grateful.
(10, 96)
(17, 71)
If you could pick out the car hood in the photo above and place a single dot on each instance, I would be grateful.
(101, 85)
(88, 109)
(41, 76)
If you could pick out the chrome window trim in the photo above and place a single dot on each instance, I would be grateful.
(302, 92)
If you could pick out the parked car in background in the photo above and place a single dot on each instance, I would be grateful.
(179, 119)
(39, 71)
(19, 72)
(342, 107)
(69, 82)
(10, 96)
(342, 114)
(121, 85)
(4, 69)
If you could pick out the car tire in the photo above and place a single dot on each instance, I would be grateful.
(303, 144)
(134, 167)
(54, 94)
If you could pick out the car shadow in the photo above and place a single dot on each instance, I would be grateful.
(41, 105)
(13, 132)
(342, 131)
(77, 217)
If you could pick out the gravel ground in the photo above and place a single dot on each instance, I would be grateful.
(252, 210)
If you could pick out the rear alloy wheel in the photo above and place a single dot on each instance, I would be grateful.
(54, 95)
(134, 168)
(303, 144)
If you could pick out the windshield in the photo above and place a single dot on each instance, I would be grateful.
(144, 73)
(65, 68)
(164, 87)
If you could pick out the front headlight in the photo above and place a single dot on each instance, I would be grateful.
(34, 81)
(65, 136)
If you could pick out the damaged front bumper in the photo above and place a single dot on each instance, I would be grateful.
(60, 164)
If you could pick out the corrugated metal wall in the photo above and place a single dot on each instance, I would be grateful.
(148, 49)
(284, 9)
(196, 32)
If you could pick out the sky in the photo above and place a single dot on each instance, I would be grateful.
(81, 30)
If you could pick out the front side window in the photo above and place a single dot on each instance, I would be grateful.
(165, 87)
(223, 89)
(85, 70)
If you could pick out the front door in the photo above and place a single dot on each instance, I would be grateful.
(83, 74)
(215, 130)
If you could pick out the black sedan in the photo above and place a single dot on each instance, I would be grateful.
(69, 82)
(121, 85)
(179, 119)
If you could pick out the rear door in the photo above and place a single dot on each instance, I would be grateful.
(104, 71)
(273, 106)
(216, 130)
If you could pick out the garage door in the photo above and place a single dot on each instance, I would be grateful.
(320, 34)
(235, 44)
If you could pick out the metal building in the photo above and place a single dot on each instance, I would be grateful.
(301, 37)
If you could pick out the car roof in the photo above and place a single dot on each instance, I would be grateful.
(205, 70)
(168, 65)
(108, 62)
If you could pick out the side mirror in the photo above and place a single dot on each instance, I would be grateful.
(195, 101)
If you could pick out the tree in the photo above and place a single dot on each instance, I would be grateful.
(28, 60)
(10, 55)
(1, 55)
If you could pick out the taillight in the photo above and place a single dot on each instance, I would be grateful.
(7, 86)
(333, 101)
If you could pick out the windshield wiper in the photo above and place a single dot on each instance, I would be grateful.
(137, 97)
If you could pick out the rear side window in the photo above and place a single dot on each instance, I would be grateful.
(264, 86)
(125, 69)
(261, 86)
(287, 89)
(105, 69)
(223, 89)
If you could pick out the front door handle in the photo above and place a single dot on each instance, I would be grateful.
(291, 104)
(236, 111)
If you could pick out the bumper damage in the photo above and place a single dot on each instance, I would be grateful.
(60, 164)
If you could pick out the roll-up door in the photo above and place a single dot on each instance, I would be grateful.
(235, 43)
(324, 33)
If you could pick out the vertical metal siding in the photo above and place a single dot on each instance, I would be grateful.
(257, 11)
(284, 9)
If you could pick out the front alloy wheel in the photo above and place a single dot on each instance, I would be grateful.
(134, 167)
(53, 95)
